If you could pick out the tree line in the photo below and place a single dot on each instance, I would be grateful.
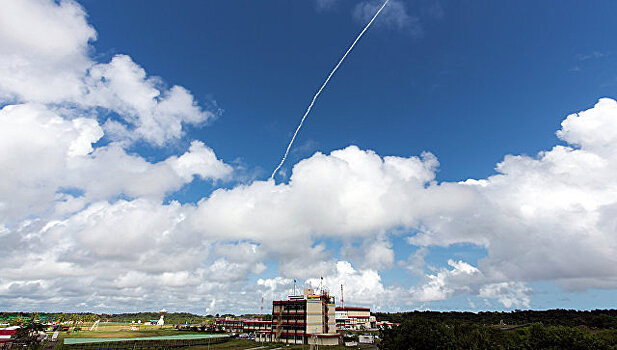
(550, 329)
(556, 317)
(170, 318)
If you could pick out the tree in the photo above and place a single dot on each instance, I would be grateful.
(419, 334)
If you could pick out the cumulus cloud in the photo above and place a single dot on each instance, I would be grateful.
(45, 58)
(200, 160)
(362, 286)
(47, 158)
(447, 283)
(544, 218)
(415, 263)
(509, 294)
(43, 50)
(83, 221)
(352, 192)
(53, 91)
(374, 252)
(81, 217)
(154, 114)
(540, 218)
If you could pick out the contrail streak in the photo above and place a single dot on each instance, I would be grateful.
(308, 110)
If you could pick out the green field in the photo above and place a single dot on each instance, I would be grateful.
(164, 337)
(120, 332)
(163, 334)
(244, 344)
(123, 333)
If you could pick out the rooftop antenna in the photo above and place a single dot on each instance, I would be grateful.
(294, 287)
(342, 297)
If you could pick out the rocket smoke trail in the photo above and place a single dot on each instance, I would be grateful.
(308, 110)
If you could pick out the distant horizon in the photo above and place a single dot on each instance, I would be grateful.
(252, 313)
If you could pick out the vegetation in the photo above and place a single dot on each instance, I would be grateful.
(125, 333)
(242, 344)
(74, 318)
(550, 329)
(173, 318)
(447, 333)
(265, 317)
(595, 319)
(27, 336)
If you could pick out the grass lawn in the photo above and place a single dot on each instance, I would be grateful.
(121, 333)
(244, 344)
(233, 344)
(120, 326)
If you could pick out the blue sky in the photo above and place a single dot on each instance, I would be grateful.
(173, 116)
(503, 74)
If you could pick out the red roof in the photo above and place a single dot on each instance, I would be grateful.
(352, 308)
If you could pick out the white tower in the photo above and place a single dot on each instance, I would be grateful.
(161, 321)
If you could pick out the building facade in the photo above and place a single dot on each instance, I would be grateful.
(229, 324)
(309, 318)
(303, 319)
(351, 318)
(242, 325)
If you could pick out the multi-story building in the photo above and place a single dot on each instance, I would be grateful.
(242, 325)
(229, 324)
(309, 318)
(355, 318)
(303, 319)
(254, 325)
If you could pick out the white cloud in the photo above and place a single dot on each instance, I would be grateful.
(394, 15)
(379, 254)
(36, 145)
(46, 154)
(89, 132)
(211, 309)
(352, 192)
(200, 160)
(446, 283)
(545, 217)
(325, 5)
(156, 114)
(541, 218)
(43, 50)
(509, 294)
(415, 262)
(69, 240)
(44, 58)
(592, 129)
(375, 253)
